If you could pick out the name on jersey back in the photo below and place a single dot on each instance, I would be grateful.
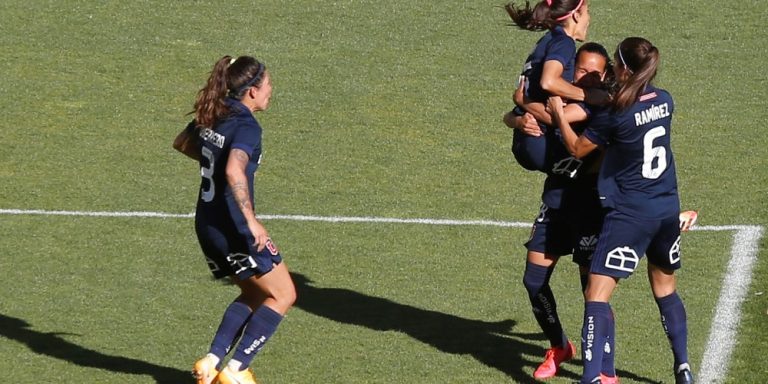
(655, 112)
(212, 137)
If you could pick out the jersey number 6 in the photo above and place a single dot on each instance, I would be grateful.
(653, 154)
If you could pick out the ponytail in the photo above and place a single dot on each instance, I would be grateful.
(231, 78)
(641, 60)
(210, 106)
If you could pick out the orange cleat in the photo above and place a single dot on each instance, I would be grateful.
(205, 371)
(552, 360)
(230, 376)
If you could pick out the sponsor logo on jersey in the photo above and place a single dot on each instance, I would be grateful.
(588, 242)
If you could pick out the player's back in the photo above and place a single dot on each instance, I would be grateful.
(638, 173)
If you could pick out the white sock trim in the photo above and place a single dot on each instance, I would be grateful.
(234, 365)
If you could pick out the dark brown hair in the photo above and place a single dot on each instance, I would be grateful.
(542, 16)
(609, 82)
(641, 59)
(228, 78)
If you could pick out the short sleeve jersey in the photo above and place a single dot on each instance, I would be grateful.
(638, 176)
(238, 130)
(554, 45)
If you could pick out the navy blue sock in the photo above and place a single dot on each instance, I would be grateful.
(597, 323)
(536, 282)
(259, 329)
(608, 365)
(674, 320)
(235, 318)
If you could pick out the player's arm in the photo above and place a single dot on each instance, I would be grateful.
(573, 112)
(238, 183)
(526, 123)
(552, 81)
(578, 146)
(186, 142)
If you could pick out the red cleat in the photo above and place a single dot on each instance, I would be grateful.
(552, 360)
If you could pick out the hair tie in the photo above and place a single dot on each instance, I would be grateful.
(257, 77)
(567, 15)
(232, 60)
(624, 63)
(549, 3)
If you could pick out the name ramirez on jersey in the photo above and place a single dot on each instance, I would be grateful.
(655, 112)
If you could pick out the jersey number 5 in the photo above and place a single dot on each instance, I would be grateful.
(654, 158)
(207, 173)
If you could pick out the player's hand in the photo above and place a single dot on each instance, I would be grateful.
(555, 106)
(687, 220)
(260, 235)
(528, 124)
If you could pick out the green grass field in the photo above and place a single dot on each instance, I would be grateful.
(381, 109)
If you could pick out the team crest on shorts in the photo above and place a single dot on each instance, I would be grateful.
(271, 247)
(622, 259)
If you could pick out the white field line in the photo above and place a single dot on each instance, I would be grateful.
(722, 335)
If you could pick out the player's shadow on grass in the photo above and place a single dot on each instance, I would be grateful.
(53, 345)
(488, 342)
(491, 343)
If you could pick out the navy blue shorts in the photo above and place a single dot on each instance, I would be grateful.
(625, 239)
(230, 253)
(559, 232)
(545, 153)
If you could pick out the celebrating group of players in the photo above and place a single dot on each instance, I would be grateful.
(601, 133)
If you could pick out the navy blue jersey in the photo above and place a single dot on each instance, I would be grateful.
(638, 175)
(565, 172)
(238, 130)
(554, 45)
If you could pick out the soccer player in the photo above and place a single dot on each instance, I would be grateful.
(226, 140)
(570, 217)
(638, 187)
(549, 67)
